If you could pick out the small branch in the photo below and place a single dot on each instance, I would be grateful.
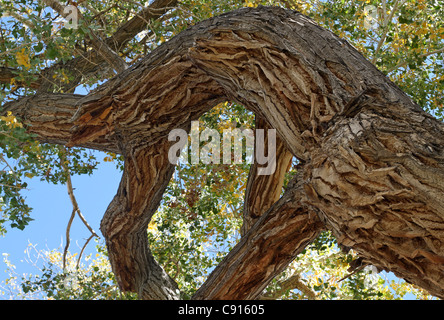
(10, 186)
(384, 10)
(68, 238)
(21, 46)
(87, 64)
(104, 290)
(353, 272)
(113, 59)
(294, 282)
(99, 15)
(19, 18)
(404, 63)
(7, 74)
(79, 213)
(10, 168)
(83, 249)
(138, 23)
(75, 205)
(385, 29)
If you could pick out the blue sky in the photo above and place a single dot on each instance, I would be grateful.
(52, 210)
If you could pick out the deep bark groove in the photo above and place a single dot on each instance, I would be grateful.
(373, 161)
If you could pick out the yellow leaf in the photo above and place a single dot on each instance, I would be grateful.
(23, 59)
(13, 86)
(152, 226)
(10, 120)
(8, 116)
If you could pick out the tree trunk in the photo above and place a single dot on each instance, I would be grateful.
(371, 161)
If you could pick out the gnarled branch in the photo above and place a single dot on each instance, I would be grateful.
(372, 160)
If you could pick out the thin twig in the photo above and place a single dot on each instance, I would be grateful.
(293, 282)
(19, 18)
(104, 290)
(68, 238)
(385, 28)
(111, 57)
(402, 64)
(10, 168)
(83, 249)
(76, 209)
(354, 272)
(79, 213)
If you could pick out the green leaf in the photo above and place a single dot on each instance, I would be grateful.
(51, 52)
(38, 47)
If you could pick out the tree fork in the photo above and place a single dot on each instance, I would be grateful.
(270, 245)
(372, 160)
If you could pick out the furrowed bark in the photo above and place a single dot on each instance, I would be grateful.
(264, 190)
(372, 162)
(48, 117)
(138, 23)
(265, 251)
(124, 225)
(378, 180)
(302, 79)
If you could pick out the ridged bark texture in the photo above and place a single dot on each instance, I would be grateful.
(371, 162)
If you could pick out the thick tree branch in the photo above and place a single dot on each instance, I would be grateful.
(256, 66)
(91, 62)
(124, 225)
(48, 117)
(264, 190)
(270, 242)
(373, 160)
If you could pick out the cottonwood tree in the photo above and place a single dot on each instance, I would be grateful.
(369, 158)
